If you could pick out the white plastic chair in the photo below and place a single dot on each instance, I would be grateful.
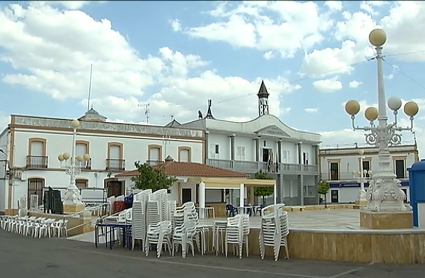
(184, 235)
(160, 235)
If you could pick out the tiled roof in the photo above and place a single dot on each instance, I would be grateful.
(189, 169)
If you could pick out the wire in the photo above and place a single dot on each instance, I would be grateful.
(403, 73)
(245, 95)
(405, 53)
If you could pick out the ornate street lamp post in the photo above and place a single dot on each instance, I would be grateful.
(72, 198)
(362, 175)
(384, 192)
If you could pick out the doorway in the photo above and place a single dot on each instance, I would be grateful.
(115, 188)
(334, 196)
(35, 187)
(186, 195)
(405, 192)
(266, 154)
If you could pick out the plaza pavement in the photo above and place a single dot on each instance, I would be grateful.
(44, 258)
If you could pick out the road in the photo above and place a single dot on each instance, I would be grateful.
(42, 258)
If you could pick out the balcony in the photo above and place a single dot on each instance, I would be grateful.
(115, 165)
(37, 162)
(346, 176)
(153, 162)
(254, 166)
(87, 164)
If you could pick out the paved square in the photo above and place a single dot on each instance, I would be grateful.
(39, 258)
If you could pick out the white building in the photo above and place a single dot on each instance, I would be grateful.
(338, 166)
(267, 144)
(29, 149)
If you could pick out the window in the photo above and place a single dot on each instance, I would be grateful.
(185, 154)
(82, 148)
(366, 166)
(400, 170)
(115, 161)
(240, 153)
(305, 158)
(217, 149)
(81, 183)
(154, 154)
(37, 153)
(334, 170)
(285, 157)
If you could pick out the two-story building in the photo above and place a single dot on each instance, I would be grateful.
(264, 143)
(29, 149)
(341, 167)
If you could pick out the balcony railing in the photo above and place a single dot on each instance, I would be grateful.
(115, 165)
(37, 162)
(346, 176)
(153, 162)
(254, 166)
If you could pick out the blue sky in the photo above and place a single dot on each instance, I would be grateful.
(177, 55)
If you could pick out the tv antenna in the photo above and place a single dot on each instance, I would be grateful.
(89, 98)
(147, 112)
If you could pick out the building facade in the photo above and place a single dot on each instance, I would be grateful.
(29, 149)
(340, 166)
(266, 144)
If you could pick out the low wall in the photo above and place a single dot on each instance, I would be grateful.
(73, 221)
(384, 246)
(320, 207)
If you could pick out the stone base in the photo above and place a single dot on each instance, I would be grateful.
(361, 203)
(73, 208)
(386, 220)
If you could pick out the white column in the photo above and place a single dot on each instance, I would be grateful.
(201, 198)
(275, 193)
(241, 197)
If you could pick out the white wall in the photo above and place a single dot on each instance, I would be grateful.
(351, 194)
(351, 162)
(224, 146)
(134, 148)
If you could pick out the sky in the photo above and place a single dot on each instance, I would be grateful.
(174, 56)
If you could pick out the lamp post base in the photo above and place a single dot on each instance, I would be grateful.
(386, 220)
(385, 195)
(69, 209)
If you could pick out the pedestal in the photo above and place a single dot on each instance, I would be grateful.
(361, 203)
(73, 208)
(386, 220)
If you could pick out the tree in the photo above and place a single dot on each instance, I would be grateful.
(151, 178)
(323, 189)
(265, 190)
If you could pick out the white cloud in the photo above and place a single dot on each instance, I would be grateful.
(39, 41)
(268, 55)
(327, 85)
(71, 5)
(334, 6)
(300, 26)
(311, 110)
(175, 24)
(355, 84)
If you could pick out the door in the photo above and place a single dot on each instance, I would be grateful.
(35, 187)
(114, 188)
(265, 155)
(334, 196)
(186, 195)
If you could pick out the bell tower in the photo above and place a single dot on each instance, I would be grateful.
(263, 100)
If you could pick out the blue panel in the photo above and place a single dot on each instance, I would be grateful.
(415, 214)
(417, 166)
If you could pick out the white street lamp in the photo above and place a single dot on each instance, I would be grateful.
(362, 175)
(384, 192)
(72, 196)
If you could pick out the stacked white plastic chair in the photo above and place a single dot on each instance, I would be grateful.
(185, 228)
(274, 230)
(161, 196)
(160, 235)
(137, 229)
(237, 232)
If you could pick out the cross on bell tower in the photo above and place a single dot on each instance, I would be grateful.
(263, 100)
